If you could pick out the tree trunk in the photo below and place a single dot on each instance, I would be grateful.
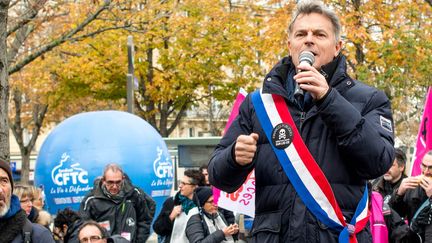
(4, 82)
(150, 105)
(25, 166)
(19, 130)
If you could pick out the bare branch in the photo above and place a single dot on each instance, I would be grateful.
(179, 116)
(19, 40)
(39, 112)
(31, 13)
(16, 125)
(67, 36)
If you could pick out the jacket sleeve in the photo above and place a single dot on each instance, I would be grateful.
(163, 225)
(85, 208)
(41, 234)
(227, 215)
(398, 204)
(399, 231)
(196, 234)
(364, 137)
(224, 172)
(145, 212)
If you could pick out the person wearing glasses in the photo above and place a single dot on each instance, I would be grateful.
(172, 220)
(413, 199)
(25, 195)
(28, 200)
(91, 232)
(119, 206)
(209, 225)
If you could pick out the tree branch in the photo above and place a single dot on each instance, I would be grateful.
(29, 15)
(16, 125)
(39, 112)
(19, 40)
(81, 37)
(179, 116)
(60, 40)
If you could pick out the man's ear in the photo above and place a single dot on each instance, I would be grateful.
(338, 48)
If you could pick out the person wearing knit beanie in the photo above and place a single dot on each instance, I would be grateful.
(6, 167)
(209, 225)
(203, 194)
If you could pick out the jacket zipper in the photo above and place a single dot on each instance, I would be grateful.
(302, 119)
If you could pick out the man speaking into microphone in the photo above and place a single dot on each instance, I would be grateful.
(312, 156)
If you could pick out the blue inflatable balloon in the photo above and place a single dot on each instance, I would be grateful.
(75, 153)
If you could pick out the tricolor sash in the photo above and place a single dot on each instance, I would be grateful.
(304, 173)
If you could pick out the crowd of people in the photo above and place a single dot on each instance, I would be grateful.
(114, 211)
(318, 190)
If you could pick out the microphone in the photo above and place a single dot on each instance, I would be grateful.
(308, 58)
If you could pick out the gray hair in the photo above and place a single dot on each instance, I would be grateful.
(113, 167)
(312, 6)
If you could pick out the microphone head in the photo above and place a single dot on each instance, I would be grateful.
(307, 56)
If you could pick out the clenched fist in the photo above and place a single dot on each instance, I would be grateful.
(245, 148)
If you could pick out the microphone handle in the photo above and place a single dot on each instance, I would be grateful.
(298, 93)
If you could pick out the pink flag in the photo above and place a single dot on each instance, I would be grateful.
(424, 137)
(242, 200)
(235, 110)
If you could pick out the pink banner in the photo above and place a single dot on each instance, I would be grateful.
(242, 200)
(424, 137)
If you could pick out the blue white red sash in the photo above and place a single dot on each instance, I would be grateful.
(302, 170)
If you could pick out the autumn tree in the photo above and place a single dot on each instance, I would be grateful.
(186, 53)
(35, 28)
(388, 46)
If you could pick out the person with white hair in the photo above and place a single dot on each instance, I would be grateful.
(14, 225)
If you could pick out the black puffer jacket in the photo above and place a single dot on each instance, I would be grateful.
(407, 205)
(163, 225)
(349, 133)
(132, 214)
(197, 232)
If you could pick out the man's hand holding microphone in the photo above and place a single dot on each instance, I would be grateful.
(309, 79)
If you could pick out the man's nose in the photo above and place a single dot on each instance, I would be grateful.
(309, 38)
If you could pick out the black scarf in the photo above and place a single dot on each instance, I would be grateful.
(11, 227)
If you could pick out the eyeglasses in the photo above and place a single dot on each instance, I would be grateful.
(112, 183)
(93, 238)
(424, 167)
(184, 183)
